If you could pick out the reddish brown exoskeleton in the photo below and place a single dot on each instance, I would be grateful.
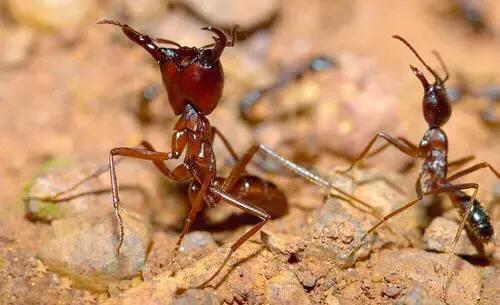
(194, 80)
(433, 150)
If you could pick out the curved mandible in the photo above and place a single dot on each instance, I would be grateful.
(137, 37)
(221, 41)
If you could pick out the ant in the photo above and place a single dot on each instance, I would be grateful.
(254, 96)
(433, 149)
(193, 78)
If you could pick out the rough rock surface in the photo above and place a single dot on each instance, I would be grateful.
(491, 289)
(335, 234)
(393, 273)
(24, 280)
(49, 184)
(84, 248)
(284, 289)
(440, 234)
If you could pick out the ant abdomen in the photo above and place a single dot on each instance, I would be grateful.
(477, 220)
(260, 192)
(263, 194)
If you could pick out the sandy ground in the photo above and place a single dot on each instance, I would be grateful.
(69, 95)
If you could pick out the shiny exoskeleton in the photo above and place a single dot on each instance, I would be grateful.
(194, 79)
(433, 150)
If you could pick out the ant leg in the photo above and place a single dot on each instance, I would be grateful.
(99, 171)
(461, 161)
(226, 143)
(137, 153)
(383, 147)
(444, 189)
(247, 207)
(399, 144)
(472, 169)
(297, 169)
(467, 210)
(195, 208)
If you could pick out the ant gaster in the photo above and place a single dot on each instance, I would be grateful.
(433, 149)
(194, 80)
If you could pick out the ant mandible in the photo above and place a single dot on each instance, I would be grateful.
(433, 149)
(193, 78)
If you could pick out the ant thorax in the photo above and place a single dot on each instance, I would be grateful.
(434, 147)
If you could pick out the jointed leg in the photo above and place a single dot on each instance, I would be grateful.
(386, 145)
(137, 153)
(461, 161)
(297, 169)
(99, 171)
(226, 143)
(247, 207)
(460, 228)
(195, 208)
(443, 189)
(411, 151)
(472, 169)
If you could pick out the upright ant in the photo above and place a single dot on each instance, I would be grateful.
(193, 78)
(433, 149)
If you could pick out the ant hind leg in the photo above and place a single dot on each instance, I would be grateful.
(247, 207)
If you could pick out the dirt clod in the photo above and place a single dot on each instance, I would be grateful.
(285, 289)
(391, 291)
(337, 247)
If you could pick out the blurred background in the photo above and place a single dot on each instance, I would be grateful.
(71, 89)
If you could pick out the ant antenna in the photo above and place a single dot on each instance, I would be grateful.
(440, 59)
(436, 76)
(107, 21)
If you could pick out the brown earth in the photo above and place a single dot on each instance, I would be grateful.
(69, 90)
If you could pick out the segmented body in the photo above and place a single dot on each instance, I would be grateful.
(434, 149)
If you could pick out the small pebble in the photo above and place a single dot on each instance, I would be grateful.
(197, 240)
(391, 291)
(307, 278)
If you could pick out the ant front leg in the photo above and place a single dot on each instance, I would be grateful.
(403, 145)
(195, 208)
(178, 174)
(98, 172)
(247, 207)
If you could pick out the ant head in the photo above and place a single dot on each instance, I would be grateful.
(436, 107)
(191, 75)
